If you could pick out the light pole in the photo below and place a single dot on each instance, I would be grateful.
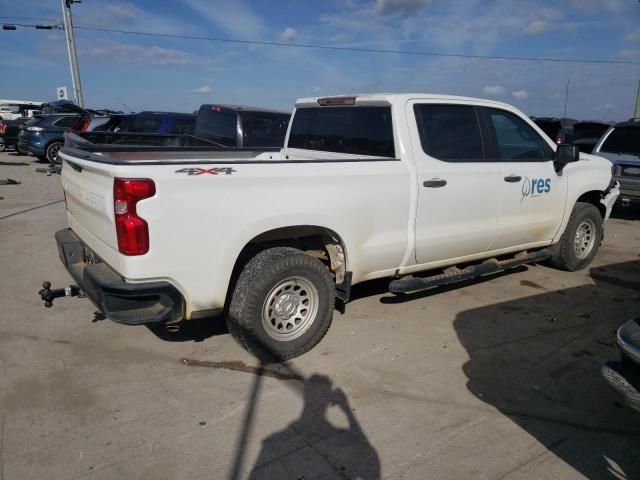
(71, 49)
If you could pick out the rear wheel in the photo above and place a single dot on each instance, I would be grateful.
(52, 152)
(581, 239)
(282, 304)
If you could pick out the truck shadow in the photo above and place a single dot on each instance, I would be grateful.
(191, 330)
(537, 360)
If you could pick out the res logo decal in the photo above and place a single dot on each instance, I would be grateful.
(207, 171)
(535, 187)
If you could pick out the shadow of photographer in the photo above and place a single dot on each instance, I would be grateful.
(312, 447)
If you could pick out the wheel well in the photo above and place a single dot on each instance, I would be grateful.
(593, 197)
(55, 140)
(319, 242)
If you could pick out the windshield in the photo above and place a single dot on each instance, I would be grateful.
(623, 140)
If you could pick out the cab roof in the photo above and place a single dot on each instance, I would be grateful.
(394, 98)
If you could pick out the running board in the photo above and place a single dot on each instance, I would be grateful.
(414, 284)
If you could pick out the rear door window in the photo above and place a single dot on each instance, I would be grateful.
(623, 140)
(450, 132)
(66, 122)
(350, 130)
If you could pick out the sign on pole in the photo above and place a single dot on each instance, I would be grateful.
(61, 93)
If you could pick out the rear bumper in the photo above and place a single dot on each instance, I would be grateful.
(118, 300)
(624, 376)
(28, 148)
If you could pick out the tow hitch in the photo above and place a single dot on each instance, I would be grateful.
(48, 295)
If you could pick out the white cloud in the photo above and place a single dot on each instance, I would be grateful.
(339, 38)
(493, 90)
(131, 54)
(591, 6)
(520, 94)
(289, 34)
(633, 36)
(606, 106)
(537, 26)
(629, 54)
(202, 90)
(404, 7)
(234, 18)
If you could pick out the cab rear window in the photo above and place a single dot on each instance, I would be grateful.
(350, 130)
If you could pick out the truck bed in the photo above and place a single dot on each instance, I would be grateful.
(146, 142)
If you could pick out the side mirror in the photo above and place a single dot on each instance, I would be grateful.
(567, 153)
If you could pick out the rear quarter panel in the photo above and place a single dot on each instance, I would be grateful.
(198, 224)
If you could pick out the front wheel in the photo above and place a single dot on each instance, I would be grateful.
(282, 304)
(581, 239)
(52, 152)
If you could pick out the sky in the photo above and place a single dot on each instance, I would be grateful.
(122, 71)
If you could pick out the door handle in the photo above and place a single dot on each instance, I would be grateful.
(434, 183)
(513, 178)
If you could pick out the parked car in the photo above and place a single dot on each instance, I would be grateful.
(368, 186)
(587, 134)
(9, 130)
(43, 136)
(550, 126)
(150, 122)
(621, 146)
(222, 125)
(624, 376)
(241, 126)
(565, 135)
(9, 113)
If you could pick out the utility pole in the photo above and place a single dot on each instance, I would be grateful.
(71, 49)
(566, 99)
(636, 114)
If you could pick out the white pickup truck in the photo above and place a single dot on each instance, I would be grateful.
(423, 189)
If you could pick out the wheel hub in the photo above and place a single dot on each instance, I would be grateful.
(290, 308)
(286, 305)
(585, 239)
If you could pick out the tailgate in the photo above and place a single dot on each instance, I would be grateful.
(88, 188)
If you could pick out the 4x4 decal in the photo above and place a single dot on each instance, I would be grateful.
(210, 171)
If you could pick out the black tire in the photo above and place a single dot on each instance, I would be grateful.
(564, 254)
(52, 152)
(256, 326)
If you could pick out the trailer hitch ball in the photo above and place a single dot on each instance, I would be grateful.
(48, 295)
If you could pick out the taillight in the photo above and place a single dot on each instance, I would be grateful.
(85, 125)
(131, 230)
